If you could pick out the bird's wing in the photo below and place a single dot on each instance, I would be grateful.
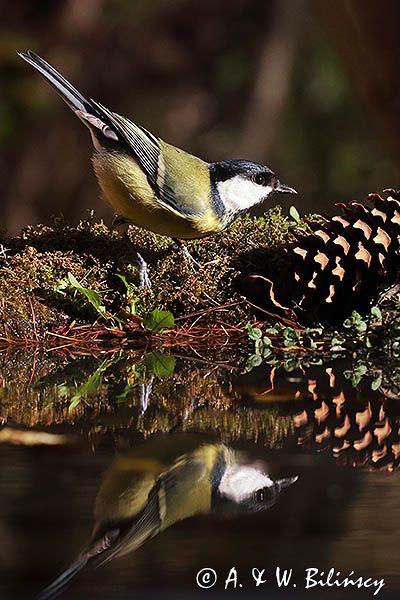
(146, 526)
(146, 148)
(164, 498)
(55, 588)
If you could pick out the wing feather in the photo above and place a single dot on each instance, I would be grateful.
(144, 145)
(146, 148)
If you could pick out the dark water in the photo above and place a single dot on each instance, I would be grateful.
(154, 451)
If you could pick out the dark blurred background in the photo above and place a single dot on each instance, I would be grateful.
(311, 87)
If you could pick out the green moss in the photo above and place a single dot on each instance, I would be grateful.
(34, 263)
(222, 258)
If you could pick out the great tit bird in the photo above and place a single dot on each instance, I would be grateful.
(163, 481)
(155, 185)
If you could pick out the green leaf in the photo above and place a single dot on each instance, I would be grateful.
(357, 374)
(87, 388)
(291, 363)
(159, 364)
(90, 387)
(362, 369)
(274, 330)
(258, 346)
(290, 336)
(121, 397)
(376, 384)
(61, 286)
(313, 332)
(124, 280)
(156, 320)
(376, 312)
(314, 360)
(93, 297)
(254, 333)
(294, 214)
(337, 341)
(361, 326)
(255, 360)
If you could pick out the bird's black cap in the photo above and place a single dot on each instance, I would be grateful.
(226, 169)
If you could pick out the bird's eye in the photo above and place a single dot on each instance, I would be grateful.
(260, 496)
(261, 179)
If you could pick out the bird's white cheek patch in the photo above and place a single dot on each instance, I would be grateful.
(239, 193)
(240, 482)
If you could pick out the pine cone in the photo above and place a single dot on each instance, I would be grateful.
(337, 266)
(358, 428)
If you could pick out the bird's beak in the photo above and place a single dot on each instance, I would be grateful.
(281, 187)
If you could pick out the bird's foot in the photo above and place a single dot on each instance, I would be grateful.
(145, 391)
(193, 263)
(119, 221)
(143, 274)
(144, 280)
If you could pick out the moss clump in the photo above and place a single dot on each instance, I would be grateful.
(33, 264)
(180, 289)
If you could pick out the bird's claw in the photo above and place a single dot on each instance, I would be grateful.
(144, 280)
(193, 263)
(118, 221)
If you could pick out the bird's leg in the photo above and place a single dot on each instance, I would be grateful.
(118, 221)
(144, 392)
(144, 280)
(193, 263)
(143, 274)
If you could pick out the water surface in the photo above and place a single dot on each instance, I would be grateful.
(321, 424)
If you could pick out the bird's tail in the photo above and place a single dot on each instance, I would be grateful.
(57, 586)
(69, 94)
(86, 110)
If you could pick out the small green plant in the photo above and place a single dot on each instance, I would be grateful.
(157, 320)
(159, 364)
(132, 300)
(311, 335)
(361, 332)
(262, 346)
(291, 337)
(356, 322)
(294, 214)
(90, 387)
(356, 375)
(70, 285)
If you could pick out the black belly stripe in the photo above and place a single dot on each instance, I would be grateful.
(216, 475)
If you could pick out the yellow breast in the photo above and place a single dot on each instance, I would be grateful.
(126, 189)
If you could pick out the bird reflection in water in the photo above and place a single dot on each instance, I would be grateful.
(163, 481)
